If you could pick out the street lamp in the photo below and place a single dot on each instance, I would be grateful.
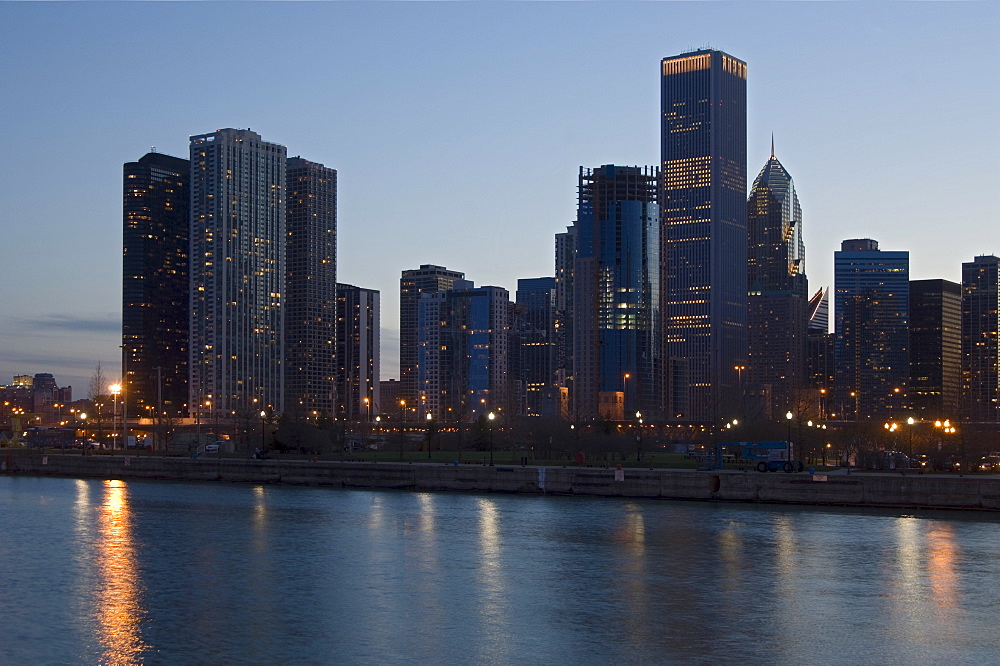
(638, 437)
(788, 441)
(491, 416)
(910, 423)
(430, 432)
(625, 378)
(115, 390)
(263, 424)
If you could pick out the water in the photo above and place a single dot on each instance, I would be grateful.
(143, 572)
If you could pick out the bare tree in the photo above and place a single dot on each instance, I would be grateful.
(96, 391)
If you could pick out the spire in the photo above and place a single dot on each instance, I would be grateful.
(772, 145)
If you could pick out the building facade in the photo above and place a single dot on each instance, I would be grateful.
(155, 282)
(871, 311)
(463, 353)
(777, 301)
(703, 231)
(981, 338)
(311, 290)
(357, 353)
(427, 279)
(935, 349)
(616, 292)
(237, 274)
(533, 376)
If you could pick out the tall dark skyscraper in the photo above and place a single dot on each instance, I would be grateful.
(981, 338)
(533, 348)
(777, 303)
(427, 279)
(703, 231)
(935, 348)
(237, 274)
(357, 353)
(155, 307)
(616, 280)
(310, 288)
(872, 320)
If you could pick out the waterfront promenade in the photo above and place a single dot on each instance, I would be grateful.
(912, 490)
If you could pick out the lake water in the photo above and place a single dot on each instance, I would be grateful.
(144, 572)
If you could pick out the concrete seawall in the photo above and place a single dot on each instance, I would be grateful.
(877, 490)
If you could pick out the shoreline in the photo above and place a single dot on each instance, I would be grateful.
(879, 490)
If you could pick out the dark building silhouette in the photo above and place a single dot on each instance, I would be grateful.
(155, 284)
(533, 374)
(357, 352)
(616, 279)
(777, 303)
(703, 231)
(310, 299)
(872, 326)
(822, 360)
(935, 349)
(981, 338)
(427, 279)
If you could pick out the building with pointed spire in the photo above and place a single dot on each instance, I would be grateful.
(777, 302)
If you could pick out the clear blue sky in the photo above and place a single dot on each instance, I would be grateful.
(458, 129)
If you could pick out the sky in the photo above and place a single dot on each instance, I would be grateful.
(458, 129)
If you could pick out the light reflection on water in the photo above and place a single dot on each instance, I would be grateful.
(114, 572)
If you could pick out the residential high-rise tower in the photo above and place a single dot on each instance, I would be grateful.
(414, 282)
(237, 274)
(155, 301)
(981, 338)
(310, 299)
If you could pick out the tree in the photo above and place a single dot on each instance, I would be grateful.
(96, 392)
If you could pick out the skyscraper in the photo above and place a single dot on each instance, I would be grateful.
(237, 273)
(871, 310)
(357, 352)
(935, 348)
(777, 303)
(616, 280)
(533, 348)
(310, 302)
(981, 338)
(703, 230)
(463, 352)
(155, 302)
(414, 282)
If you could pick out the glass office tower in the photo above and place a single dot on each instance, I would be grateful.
(616, 279)
(777, 302)
(871, 309)
(703, 231)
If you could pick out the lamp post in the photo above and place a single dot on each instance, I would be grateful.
(910, 423)
(263, 426)
(491, 416)
(638, 437)
(788, 440)
(625, 378)
(430, 432)
(115, 390)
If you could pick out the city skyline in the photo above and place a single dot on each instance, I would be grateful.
(863, 116)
